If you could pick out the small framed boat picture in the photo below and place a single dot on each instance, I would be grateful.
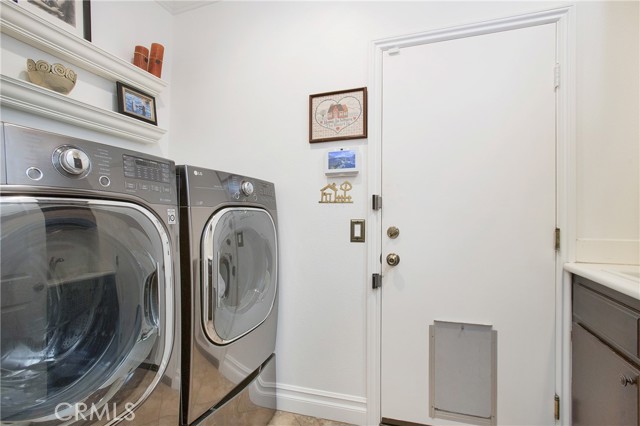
(136, 104)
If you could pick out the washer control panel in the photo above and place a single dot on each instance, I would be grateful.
(36, 158)
(146, 169)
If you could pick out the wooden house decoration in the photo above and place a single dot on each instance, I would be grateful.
(329, 193)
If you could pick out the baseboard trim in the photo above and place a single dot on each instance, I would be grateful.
(327, 405)
(625, 252)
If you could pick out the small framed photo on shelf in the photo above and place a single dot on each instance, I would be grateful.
(340, 115)
(136, 104)
(342, 162)
(71, 15)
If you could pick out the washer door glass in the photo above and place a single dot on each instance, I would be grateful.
(84, 308)
(240, 272)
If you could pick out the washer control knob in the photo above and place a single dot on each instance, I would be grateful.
(247, 188)
(71, 161)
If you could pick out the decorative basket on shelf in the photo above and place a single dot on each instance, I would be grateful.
(55, 77)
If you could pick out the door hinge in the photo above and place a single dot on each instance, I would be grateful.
(556, 76)
(557, 241)
(556, 407)
(376, 202)
(376, 281)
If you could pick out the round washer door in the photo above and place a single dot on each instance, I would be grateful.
(87, 309)
(239, 252)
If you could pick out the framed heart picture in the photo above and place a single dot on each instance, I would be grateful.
(340, 115)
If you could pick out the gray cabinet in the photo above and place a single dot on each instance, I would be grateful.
(605, 356)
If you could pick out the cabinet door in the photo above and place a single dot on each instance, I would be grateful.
(600, 396)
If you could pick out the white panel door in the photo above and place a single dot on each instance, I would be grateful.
(468, 177)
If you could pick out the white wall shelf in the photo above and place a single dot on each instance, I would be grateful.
(28, 28)
(43, 35)
(25, 96)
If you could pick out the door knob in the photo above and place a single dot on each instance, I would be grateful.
(393, 232)
(393, 259)
(626, 380)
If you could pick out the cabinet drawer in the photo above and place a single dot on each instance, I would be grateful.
(600, 395)
(608, 319)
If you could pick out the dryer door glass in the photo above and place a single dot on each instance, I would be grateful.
(86, 321)
(239, 274)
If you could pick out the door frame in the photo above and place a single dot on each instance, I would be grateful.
(564, 18)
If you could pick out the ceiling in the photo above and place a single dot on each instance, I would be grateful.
(177, 7)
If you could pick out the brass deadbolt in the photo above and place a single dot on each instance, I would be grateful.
(393, 259)
(393, 232)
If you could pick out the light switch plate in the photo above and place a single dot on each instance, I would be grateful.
(357, 230)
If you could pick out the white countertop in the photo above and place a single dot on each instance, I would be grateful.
(622, 278)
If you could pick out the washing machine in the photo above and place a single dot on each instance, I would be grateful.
(88, 301)
(229, 280)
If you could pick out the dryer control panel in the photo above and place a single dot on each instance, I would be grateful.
(39, 159)
(212, 188)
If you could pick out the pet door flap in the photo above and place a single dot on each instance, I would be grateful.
(463, 372)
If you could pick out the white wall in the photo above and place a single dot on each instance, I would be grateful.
(117, 26)
(608, 132)
(241, 104)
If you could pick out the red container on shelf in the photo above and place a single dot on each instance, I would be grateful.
(155, 59)
(141, 57)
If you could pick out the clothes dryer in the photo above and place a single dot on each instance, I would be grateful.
(89, 308)
(229, 276)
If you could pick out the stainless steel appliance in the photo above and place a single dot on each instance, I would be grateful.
(89, 306)
(229, 268)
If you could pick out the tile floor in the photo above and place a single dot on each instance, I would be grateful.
(284, 418)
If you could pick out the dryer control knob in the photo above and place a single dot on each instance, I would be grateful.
(247, 188)
(72, 161)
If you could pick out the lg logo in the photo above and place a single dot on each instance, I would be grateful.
(197, 173)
